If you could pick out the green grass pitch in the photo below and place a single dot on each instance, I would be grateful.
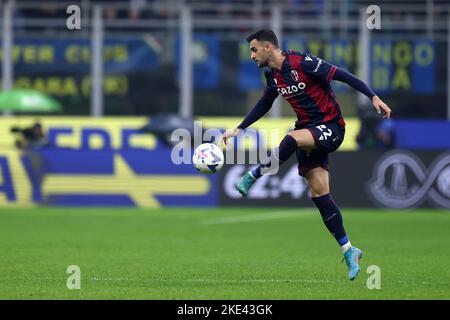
(228, 253)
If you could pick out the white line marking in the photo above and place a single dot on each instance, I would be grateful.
(256, 280)
(218, 281)
(214, 280)
(257, 217)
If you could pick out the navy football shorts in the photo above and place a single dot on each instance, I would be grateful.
(328, 137)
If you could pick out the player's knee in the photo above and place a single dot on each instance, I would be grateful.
(318, 183)
(295, 136)
(318, 189)
(304, 139)
(318, 192)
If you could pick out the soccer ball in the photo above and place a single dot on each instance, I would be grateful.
(208, 158)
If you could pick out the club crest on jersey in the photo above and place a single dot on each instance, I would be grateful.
(294, 75)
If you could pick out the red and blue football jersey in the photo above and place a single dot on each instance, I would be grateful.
(304, 81)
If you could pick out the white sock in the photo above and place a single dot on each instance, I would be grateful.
(346, 246)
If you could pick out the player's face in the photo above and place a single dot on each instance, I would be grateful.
(259, 52)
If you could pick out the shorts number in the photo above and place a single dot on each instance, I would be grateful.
(326, 134)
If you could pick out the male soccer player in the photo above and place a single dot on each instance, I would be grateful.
(304, 81)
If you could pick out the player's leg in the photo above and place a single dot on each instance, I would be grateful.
(318, 181)
(302, 139)
(291, 142)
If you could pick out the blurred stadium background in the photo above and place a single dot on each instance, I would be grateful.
(138, 69)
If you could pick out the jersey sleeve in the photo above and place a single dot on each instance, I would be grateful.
(263, 105)
(351, 80)
(318, 68)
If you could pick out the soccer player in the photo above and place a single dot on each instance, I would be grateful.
(304, 81)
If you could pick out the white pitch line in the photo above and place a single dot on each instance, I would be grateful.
(257, 280)
(217, 281)
(257, 217)
(126, 279)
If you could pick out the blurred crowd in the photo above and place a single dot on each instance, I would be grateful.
(134, 10)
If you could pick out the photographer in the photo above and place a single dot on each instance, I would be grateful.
(31, 138)
(31, 141)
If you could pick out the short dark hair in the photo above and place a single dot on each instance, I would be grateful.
(264, 35)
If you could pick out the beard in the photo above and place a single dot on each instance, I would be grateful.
(262, 64)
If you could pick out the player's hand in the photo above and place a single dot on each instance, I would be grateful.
(380, 106)
(230, 133)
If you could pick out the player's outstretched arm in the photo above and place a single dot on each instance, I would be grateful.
(260, 109)
(359, 85)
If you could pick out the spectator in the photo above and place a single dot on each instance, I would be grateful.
(385, 133)
(135, 10)
(375, 132)
(110, 14)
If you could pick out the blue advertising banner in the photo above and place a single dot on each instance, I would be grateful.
(423, 67)
(422, 134)
(206, 57)
(139, 178)
(98, 162)
(250, 77)
(53, 55)
(381, 68)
